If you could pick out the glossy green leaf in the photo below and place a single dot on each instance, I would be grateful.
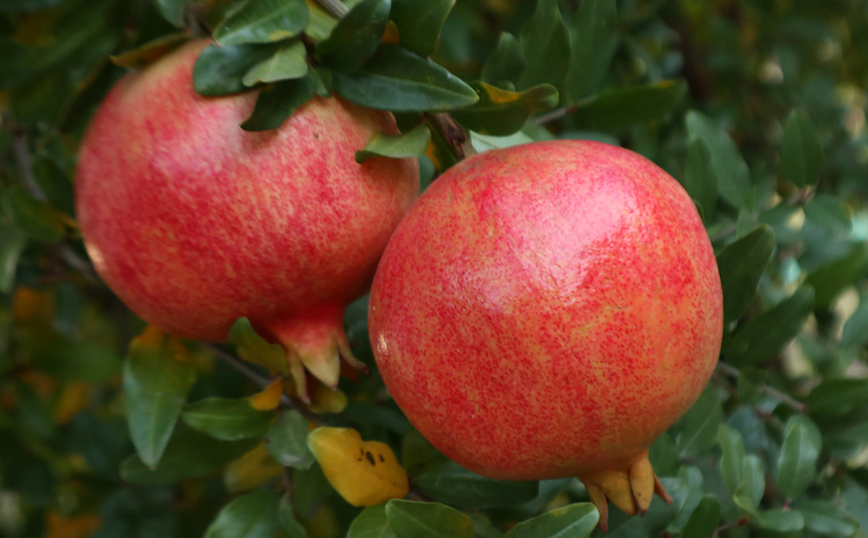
(576, 521)
(277, 102)
(221, 70)
(290, 61)
(287, 440)
(837, 396)
(12, 243)
(400, 80)
(155, 387)
(321, 24)
(356, 37)
(287, 523)
(620, 108)
(371, 523)
(594, 38)
(769, 332)
(545, 43)
(732, 457)
(855, 331)
(254, 348)
(730, 168)
(832, 278)
(801, 151)
(250, 516)
(413, 519)
(781, 521)
(701, 424)
(172, 11)
(797, 464)
(501, 112)
(263, 21)
(227, 420)
(189, 454)
(741, 265)
(450, 483)
(700, 180)
(411, 144)
(37, 219)
(504, 66)
(704, 518)
(827, 518)
(419, 23)
(753, 484)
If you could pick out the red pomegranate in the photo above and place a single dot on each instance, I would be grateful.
(547, 311)
(194, 222)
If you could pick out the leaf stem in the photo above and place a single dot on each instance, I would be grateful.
(733, 372)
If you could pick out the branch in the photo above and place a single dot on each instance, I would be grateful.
(784, 398)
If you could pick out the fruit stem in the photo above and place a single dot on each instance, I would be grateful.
(454, 134)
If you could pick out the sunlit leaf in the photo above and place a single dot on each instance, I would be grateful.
(263, 21)
(355, 38)
(371, 523)
(412, 519)
(290, 61)
(411, 144)
(575, 520)
(501, 112)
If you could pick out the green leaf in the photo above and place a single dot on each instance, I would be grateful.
(700, 181)
(286, 521)
(278, 101)
(286, 440)
(769, 332)
(250, 516)
(155, 386)
(12, 243)
(189, 454)
(450, 483)
(545, 43)
(797, 464)
(484, 143)
(837, 396)
(827, 518)
(356, 37)
(832, 278)
(749, 384)
(781, 521)
(501, 112)
(290, 61)
(227, 420)
(221, 70)
(741, 265)
(399, 80)
(263, 21)
(623, 107)
(419, 23)
(411, 144)
(371, 523)
(732, 457)
(576, 521)
(418, 454)
(412, 519)
(321, 23)
(753, 483)
(855, 331)
(730, 168)
(504, 66)
(701, 424)
(828, 212)
(35, 218)
(172, 11)
(801, 151)
(594, 37)
(254, 348)
(483, 527)
(704, 519)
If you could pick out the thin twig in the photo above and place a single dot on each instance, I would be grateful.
(784, 398)
(335, 8)
(555, 115)
(454, 134)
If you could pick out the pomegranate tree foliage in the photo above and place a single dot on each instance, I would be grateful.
(757, 107)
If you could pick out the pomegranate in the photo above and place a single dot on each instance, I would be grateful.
(547, 311)
(194, 222)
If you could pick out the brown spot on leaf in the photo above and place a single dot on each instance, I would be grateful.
(370, 458)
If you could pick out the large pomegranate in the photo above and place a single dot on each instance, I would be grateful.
(194, 222)
(547, 311)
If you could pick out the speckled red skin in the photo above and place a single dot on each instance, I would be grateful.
(547, 310)
(194, 222)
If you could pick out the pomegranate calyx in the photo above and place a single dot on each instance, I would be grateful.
(630, 488)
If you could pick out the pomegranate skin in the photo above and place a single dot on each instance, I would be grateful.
(194, 222)
(547, 311)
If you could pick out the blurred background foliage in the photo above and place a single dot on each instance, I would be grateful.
(756, 106)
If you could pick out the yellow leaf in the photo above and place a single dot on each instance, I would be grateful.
(268, 399)
(326, 400)
(73, 398)
(251, 470)
(57, 526)
(390, 35)
(363, 473)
